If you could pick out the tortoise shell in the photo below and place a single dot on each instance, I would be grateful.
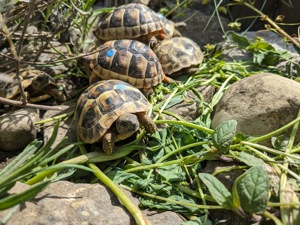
(101, 104)
(169, 27)
(178, 53)
(127, 60)
(37, 84)
(131, 21)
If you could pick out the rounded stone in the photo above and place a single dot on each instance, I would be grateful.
(261, 103)
(18, 129)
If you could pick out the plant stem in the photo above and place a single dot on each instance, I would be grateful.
(134, 211)
(266, 18)
(187, 124)
(274, 218)
(285, 197)
(173, 201)
(271, 134)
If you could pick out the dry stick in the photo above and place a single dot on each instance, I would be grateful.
(58, 61)
(42, 107)
(6, 101)
(64, 60)
(15, 53)
(45, 45)
(265, 17)
(18, 58)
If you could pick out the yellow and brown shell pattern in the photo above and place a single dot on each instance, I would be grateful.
(131, 21)
(127, 60)
(169, 27)
(178, 53)
(101, 104)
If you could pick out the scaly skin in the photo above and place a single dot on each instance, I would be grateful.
(146, 122)
(108, 142)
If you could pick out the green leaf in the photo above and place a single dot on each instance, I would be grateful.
(121, 176)
(174, 101)
(264, 53)
(31, 192)
(203, 220)
(217, 190)
(20, 159)
(153, 203)
(261, 46)
(172, 173)
(234, 67)
(223, 135)
(241, 41)
(249, 159)
(252, 190)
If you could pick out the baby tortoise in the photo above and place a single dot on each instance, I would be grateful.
(178, 54)
(127, 60)
(169, 27)
(132, 21)
(109, 111)
(38, 86)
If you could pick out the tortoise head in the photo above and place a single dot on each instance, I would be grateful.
(127, 125)
(84, 61)
(42, 81)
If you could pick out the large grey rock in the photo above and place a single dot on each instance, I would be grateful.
(260, 103)
(64, 202)
(18, 129)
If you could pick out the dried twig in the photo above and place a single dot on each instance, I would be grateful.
(6, 101)
(18, 56)
(64, 60)
(266, 18)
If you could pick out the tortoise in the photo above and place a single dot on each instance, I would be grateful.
(169, 27)
(128, 60)
(178, 54)
(134, 21)
(109, 111)
(37, 85)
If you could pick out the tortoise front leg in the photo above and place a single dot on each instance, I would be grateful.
(108, 142)
(146, 122)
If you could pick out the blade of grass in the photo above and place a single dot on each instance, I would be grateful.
(287, 213)
(20, 159)
(31, 192)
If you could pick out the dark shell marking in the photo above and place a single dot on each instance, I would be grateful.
(102, 103)
(130, 61)
(177, 53)
(128, 21)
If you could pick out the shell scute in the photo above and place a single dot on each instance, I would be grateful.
(129, 21)
(178, 53)
(131, 18)
(130, 61)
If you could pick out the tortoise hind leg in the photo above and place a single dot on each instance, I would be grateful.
(146, 122)
(108, 142)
